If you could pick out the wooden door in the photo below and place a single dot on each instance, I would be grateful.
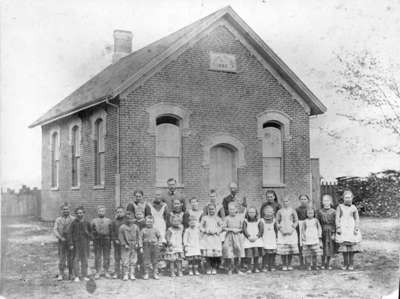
(223, 169)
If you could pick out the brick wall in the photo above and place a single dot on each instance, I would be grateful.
(86, 195)
(219, 102)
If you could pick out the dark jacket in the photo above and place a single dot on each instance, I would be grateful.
(79, 231)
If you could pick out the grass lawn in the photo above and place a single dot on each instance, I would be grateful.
(32, 268)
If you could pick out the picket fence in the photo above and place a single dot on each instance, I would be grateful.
(24, 203)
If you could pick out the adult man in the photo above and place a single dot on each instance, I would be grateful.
(233, 196)
(65, 255)
(172, 193)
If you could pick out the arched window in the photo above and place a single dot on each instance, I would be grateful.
(99, 149)
(168, 149)
(55, 158)
(272, 153)
(75, 155)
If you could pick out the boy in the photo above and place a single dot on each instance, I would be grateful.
(116, 224)
(151, 239)
(218, 207)
(129, 238)
(79, 236)
(101, 228)
(61, 227)
(194, 212)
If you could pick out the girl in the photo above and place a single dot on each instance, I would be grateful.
(326, 217)
(269, 238)
(233, 247)
(191, 242)
(286, 220)
(348, 234)
(302, 215)
(253, 245)
(139, 204)
(194, 211)
(174, 252)
(310, 236)
(271, 200)
(211, 227)
(176, 211)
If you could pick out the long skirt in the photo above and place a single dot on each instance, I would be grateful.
(328, 241)
(232, 247)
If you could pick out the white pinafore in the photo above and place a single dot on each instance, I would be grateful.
(252, 230)
(269, 236)
(159, 221)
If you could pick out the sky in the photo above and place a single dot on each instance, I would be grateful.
(50, 48)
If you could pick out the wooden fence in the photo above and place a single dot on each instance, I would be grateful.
(24, 203)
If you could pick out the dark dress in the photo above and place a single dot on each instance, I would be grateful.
(326, 218)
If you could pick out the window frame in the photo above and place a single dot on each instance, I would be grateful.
(53, 150)
(74, 149)
(163, 183)
(281, 181)
(284, 120)
(99, 115)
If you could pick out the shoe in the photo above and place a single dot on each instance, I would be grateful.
(309, 268)
(173, 275)
(351, 268)
(284, 268)
(208, 272)
(76, 279)
(290, 268)
(322, 267)
(196, 272)
(125, 277)
(264, 270)
(190, 272)
(97, 276)
(146, 276)
(273, 269)
(329, 268)
(256, 270)
(86, 278)
(240, 272)
(59, 277)
(180, 274)
(107, 275)
(132, 277)
(344, 268)
(229, 272)
(248, 271)
(213, 271)
(155, 276)
(115, 276)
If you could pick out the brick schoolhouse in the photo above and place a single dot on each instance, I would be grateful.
(207, 105)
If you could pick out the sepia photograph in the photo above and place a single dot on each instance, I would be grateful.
(200, 149)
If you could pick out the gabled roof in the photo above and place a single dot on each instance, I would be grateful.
(115, 78)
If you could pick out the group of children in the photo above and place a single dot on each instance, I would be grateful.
(149, 236)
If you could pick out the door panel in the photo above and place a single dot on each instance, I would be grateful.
(223, 169)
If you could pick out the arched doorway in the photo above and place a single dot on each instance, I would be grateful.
(223, 168)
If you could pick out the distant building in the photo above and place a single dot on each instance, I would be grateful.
(208, 104)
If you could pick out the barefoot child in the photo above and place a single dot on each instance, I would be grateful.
(232, 248)
(151, 239)
(79, 236)
(173, 236)
(287, 221)
(191, 243)
(348, 234)
(129, 238)
(211, 227)
(326, 217)
(116, 224)
(302, 215)
(101, 230)
(269, 238)
(253, 245)
(311, 239)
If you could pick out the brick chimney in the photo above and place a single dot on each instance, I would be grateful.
(122, 44)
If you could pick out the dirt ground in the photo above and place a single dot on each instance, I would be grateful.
(31, 269)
